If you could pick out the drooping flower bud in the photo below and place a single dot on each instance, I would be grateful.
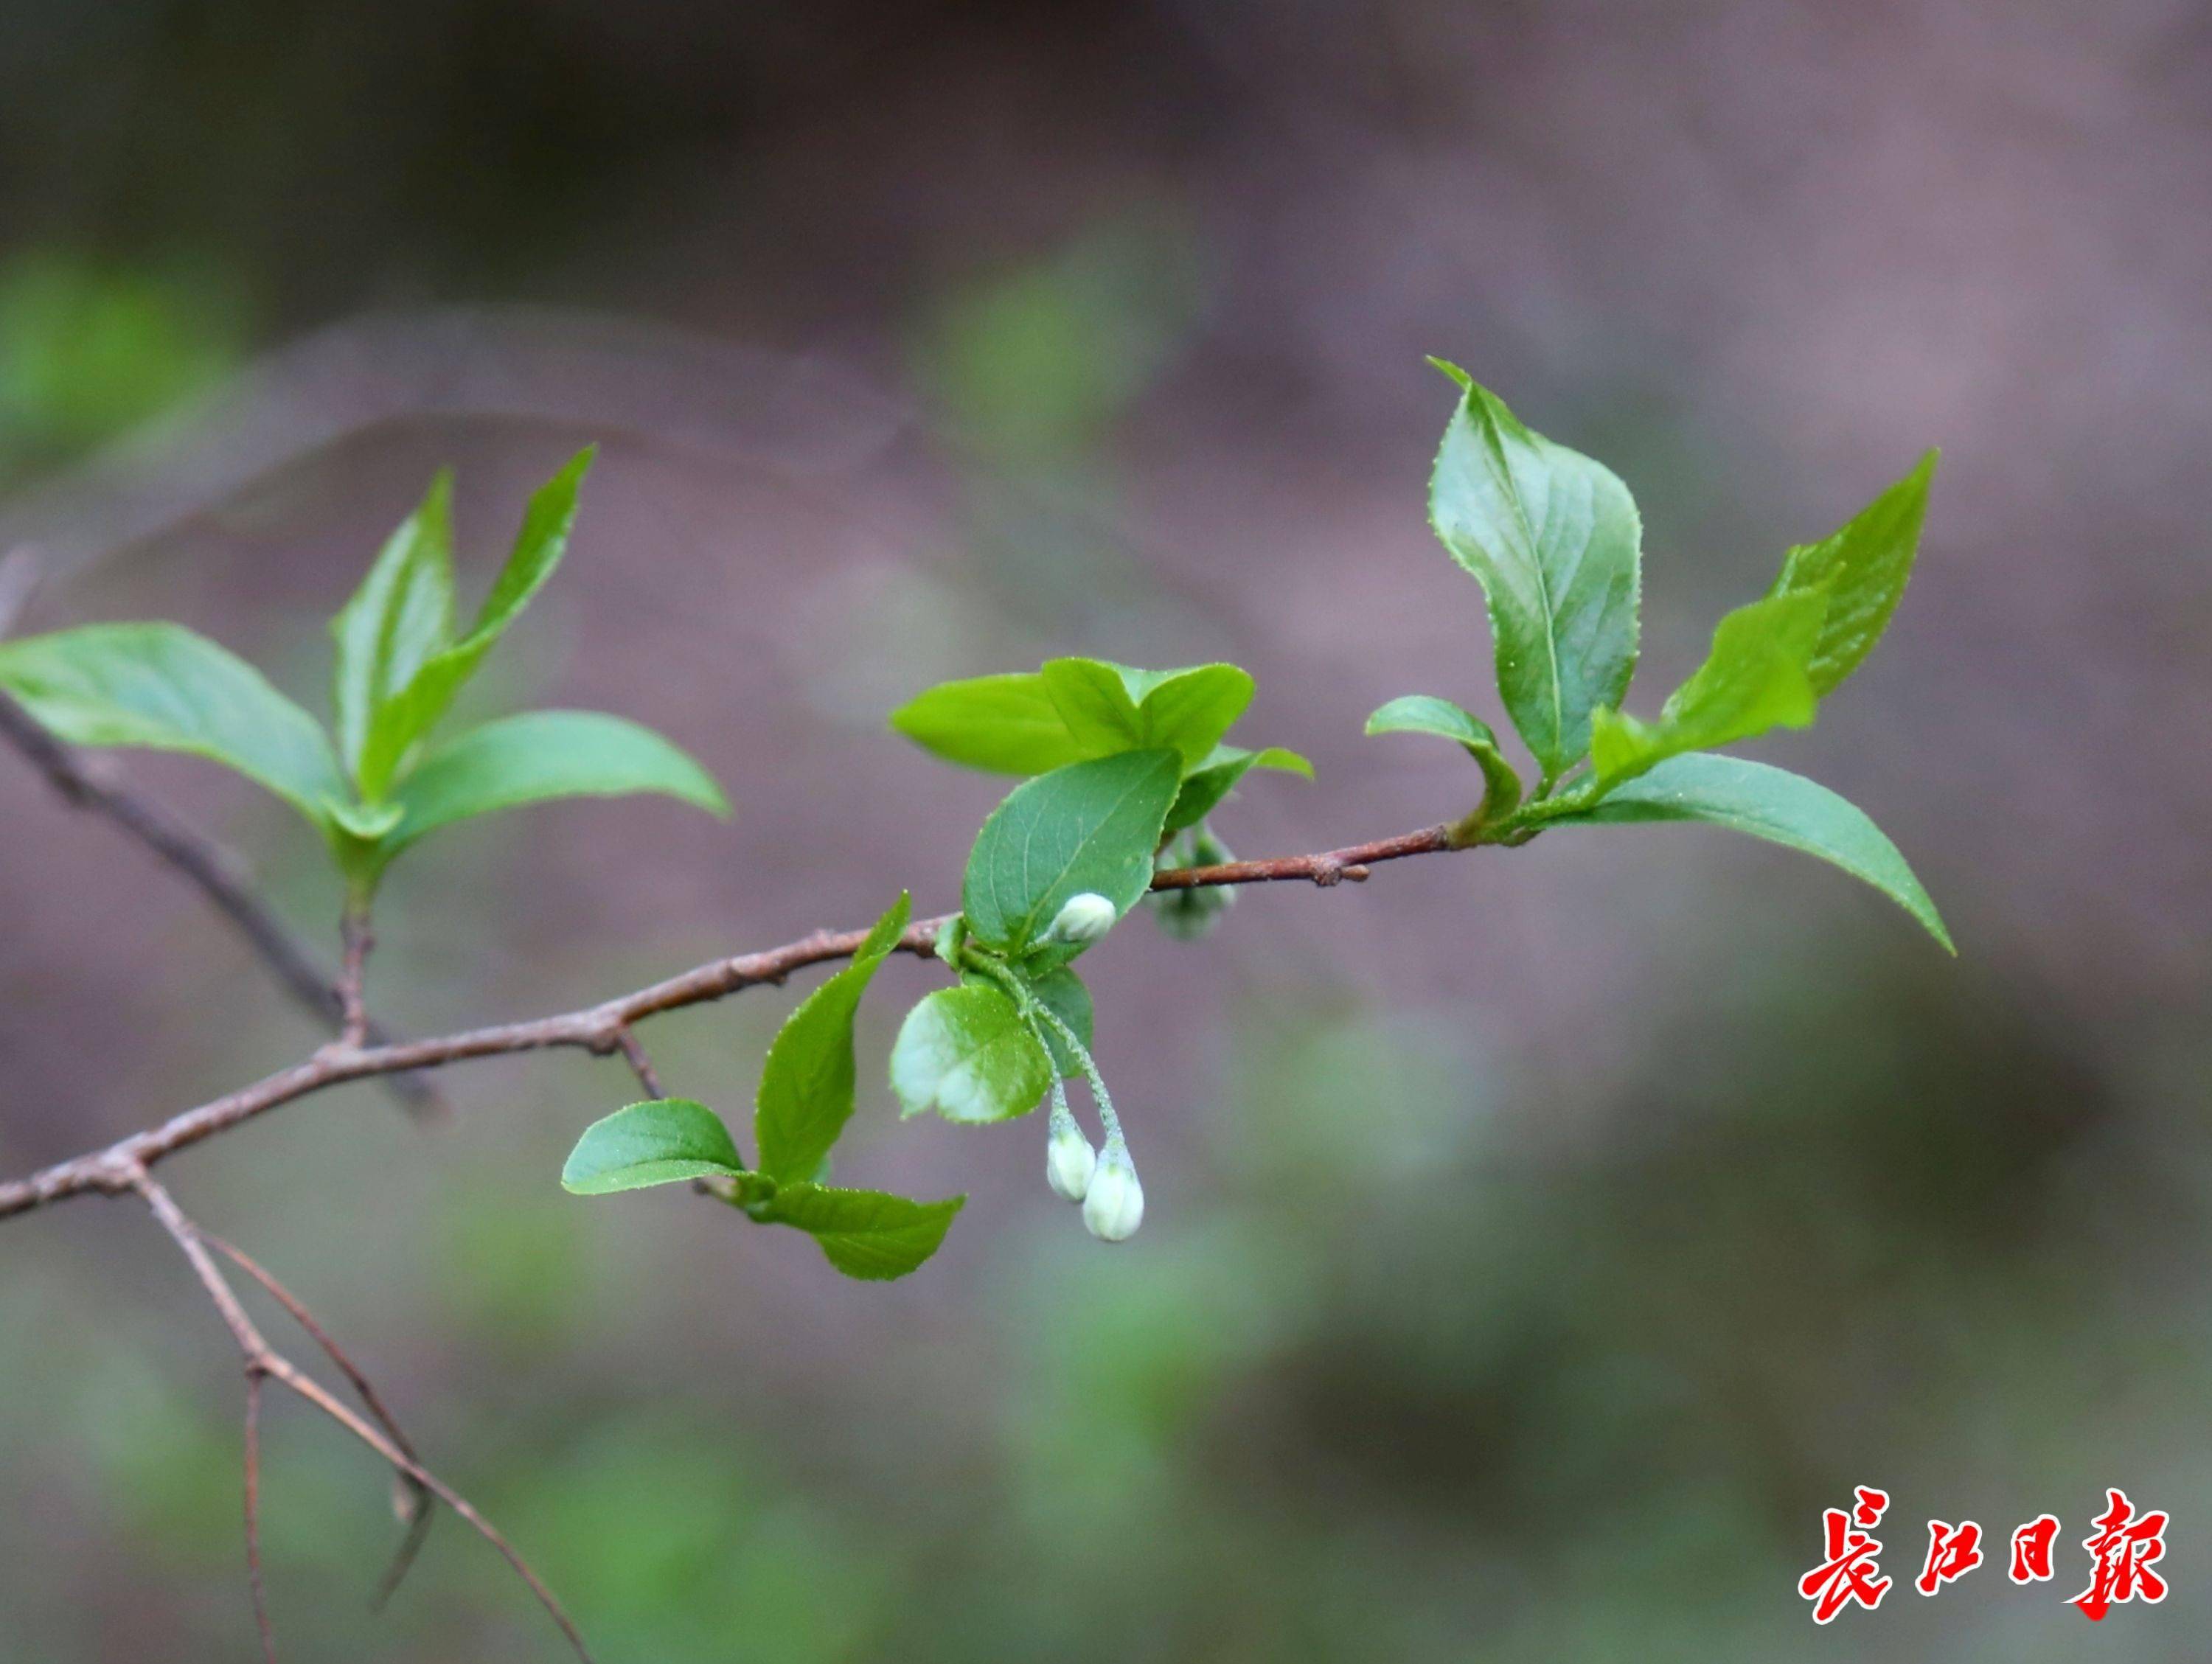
(1069, 1160)
(1114, 1206)
(1083, 919)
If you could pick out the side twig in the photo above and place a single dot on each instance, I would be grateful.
(253, 1581)
(264, 1362)
(411, 1501)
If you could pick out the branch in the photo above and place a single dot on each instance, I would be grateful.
(600, 1029)
(263, 1363)
(218, 873)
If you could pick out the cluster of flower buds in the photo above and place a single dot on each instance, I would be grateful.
(1113, 1199)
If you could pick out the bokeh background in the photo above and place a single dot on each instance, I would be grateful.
(1538, 1240)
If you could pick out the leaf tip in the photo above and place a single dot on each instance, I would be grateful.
(1465, 382)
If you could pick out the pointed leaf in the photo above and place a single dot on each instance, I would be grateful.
(162, 687)
(402, 614)
(1754, 678)
(1188, 711)
(806, 1084)
(658, 1142)
(1007, 724)
(1425, 714)
(866, 1233)
(1110, 707)
(1775, 804)
(1863, 568)
(1095, 704)
(1091, 826)
(537, 756)
(1554, 537)
(411, 712)
(1206, 786)
(966, 1053)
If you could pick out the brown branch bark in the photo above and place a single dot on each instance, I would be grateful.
(263, 1363)
(411, 1500)
(253, 1581)
(599, 1028)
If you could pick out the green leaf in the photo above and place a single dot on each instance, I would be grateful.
(1775, 804)
(659, 1142)
(1753, 679)
(1090, 826)
(866, 1233)
(1863, 568)
(1554, 537)
(1007, 724)
(966, 1053)
(402, 614)
(162, 687)
(537, 756)
(806, 1084)
(1204, 787)
(1060, 990)
(368, 823)
(1095, 705)
(1424, 714)
(409, 714)
(1074, 709)
(1188, 711)
(1110, 707)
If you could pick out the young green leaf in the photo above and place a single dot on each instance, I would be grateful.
(1095, 705)
(658, 1142)
(540, 755)
(1863, 567)
(966, 1053)
(1425, 714)
(1205, 786)
(1754, 678)
(162, 687)
(1771, 804)
(1111, 707)
(1090, 826)
(866, 1233)
(401, 614)
(1060, 990)
(1554, 538)
(409, 712)
(1007, 724)
(1188, 711)
(806, 1084)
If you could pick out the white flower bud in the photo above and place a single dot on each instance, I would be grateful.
(1085, 918)
(1069, 1161)
(1114, 1206)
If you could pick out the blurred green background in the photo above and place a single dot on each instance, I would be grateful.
(1537, 1241)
